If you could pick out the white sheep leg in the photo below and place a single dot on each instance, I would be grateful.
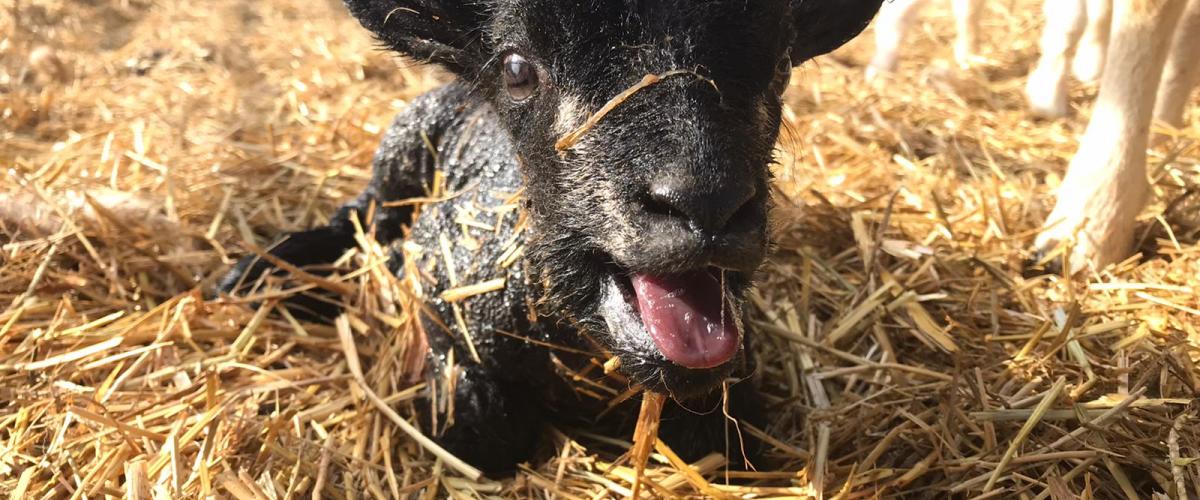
(1088, 63)
(895, 18)
(966, 21)
(1046, 89)
(1182, 72)
(1106, 185)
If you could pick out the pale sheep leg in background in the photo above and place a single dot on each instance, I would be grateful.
(966, 21)
(1088, 63)
(1182, 72)
(1046, 89)
(895, 18)
(1106, 185)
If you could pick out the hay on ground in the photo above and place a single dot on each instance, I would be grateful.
(903, 352)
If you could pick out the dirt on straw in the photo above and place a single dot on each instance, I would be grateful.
(902, 351)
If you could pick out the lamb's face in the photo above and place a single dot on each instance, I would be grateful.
(647, 227)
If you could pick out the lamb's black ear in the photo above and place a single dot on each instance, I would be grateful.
(824, 25)
(445, 32)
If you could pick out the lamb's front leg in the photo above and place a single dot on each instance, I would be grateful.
(402, 169)
(306, 250)
(480, 417)
(1106, 185)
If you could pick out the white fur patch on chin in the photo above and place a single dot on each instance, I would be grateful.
(624, 323)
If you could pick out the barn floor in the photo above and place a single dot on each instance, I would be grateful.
(147, 144)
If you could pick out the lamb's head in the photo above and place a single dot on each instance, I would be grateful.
(644, 130)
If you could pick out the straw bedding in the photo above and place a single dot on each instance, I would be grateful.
(148, 143)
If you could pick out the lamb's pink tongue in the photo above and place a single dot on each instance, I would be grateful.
(685, 317)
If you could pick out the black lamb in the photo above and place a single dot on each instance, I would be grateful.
(630, 230)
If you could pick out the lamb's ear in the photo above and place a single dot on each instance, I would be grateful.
(824, 25)
(445, 32)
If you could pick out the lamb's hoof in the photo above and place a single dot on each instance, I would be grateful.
(306, 249)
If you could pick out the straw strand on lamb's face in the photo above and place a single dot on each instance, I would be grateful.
(641, 231)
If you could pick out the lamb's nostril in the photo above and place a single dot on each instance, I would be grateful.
(704, 206)
(744, 215)
(656, 203)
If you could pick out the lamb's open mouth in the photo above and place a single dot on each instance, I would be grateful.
(690, 318)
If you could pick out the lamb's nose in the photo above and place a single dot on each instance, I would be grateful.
(703, 205)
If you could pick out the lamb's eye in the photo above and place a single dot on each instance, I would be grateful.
(520, 77)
